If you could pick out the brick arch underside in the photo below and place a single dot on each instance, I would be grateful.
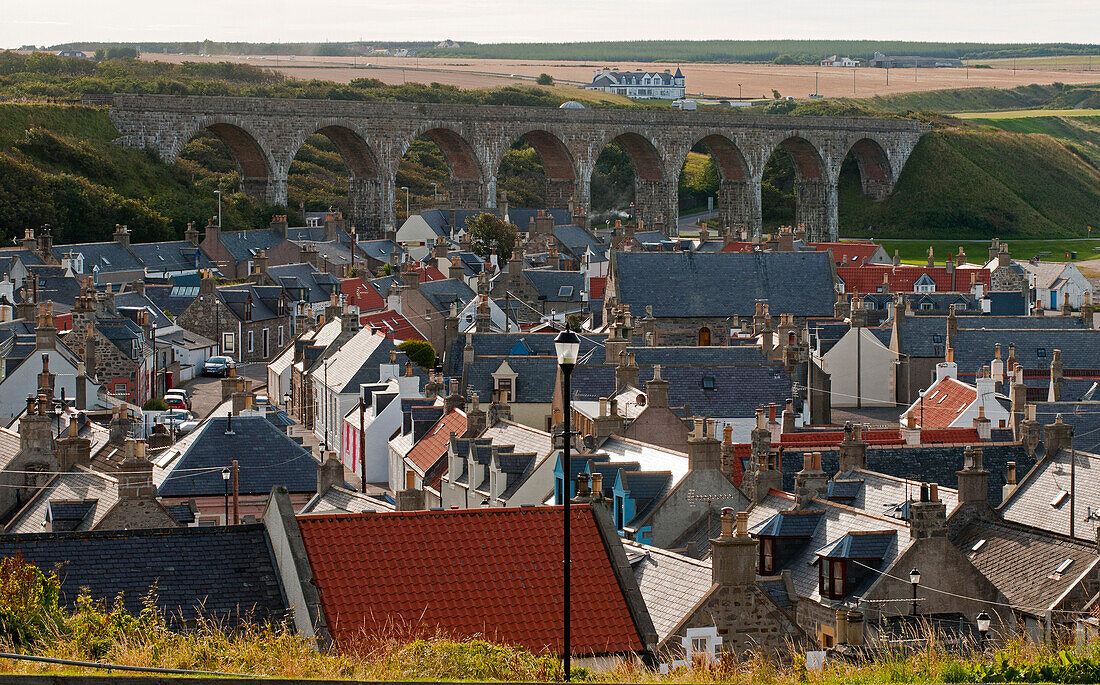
(646, 160)
(357, 155)
(246, 151)
(875, 173)
(730, 161)
(459, 155)
(807, 161)
(556, 160)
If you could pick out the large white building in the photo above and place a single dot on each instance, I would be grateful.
(639, 84)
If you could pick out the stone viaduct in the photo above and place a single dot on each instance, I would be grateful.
(265, 134)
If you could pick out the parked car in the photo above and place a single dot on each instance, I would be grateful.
(174, 418)
(218, 366)
(178, 395)
(188, 426)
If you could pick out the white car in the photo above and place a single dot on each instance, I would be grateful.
(174, 418)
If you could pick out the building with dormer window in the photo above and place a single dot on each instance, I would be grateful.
(639, 84)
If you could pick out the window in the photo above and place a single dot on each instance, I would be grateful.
(831, 578)
(926, 307)
(504, 389)
(565, 291)
(281, 338)
(699, 645)
(1040, 352)
(410, 480)
(250, 341)
(120, 389)
(708, 382)
(767, 556)
(937, 338)
(228, 342)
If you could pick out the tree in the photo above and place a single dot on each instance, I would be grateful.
(420, 352)
(544, 79)
(489, 232)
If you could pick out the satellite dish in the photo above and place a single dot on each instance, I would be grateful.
(1040, 450)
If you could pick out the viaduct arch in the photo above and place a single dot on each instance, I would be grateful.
(265, 134)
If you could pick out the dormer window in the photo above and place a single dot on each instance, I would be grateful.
(1040, 352)
(708, 382)
(832, 578)
(767, 556)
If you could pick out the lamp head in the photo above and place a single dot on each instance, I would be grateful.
(567, 345)
(914, 577)
(983, 622)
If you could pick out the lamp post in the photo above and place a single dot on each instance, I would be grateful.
(153, 329)
(983, 628)
(219, 194)
(435, 194)
(914, 579)
(567, 345)
(406, 189)
(225, 480)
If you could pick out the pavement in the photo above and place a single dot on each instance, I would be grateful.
(206, 391)
(691, 220)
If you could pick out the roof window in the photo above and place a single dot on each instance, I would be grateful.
(565, 291)
(708, 382)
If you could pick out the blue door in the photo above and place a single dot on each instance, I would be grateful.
(1053, 299)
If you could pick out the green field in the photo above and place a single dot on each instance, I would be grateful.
(977, 251)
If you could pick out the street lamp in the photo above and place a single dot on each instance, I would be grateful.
(406, 189)
(219, 194)
(225, 480)
(914, 578)
(567, 345)
(983, 628)
(435, 194)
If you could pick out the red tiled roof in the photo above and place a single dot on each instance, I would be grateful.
(903, 279)
(737, 246)
(392, 324)
(596, 286)
(947, 436)
(741, 452)
(943, 403)
(433, 445)
(888, 436)
(854, 252)
(494, 573)
(362, 295)
(429, 273)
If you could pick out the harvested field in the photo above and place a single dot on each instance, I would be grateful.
(711, 80)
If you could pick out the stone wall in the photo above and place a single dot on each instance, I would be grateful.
(265, 135)
(747, 619)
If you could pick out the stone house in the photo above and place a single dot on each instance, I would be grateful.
(29, 456)
(116, 350)
(250, 323)
(1057, 284)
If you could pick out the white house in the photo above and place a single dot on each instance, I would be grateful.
(421, 231)
(1056, 283)
(381, 417)
(861, 369)
(333, 392)
(639, 84)
(837, 61)
(951, 403)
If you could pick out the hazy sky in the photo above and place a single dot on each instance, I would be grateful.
(56, 21)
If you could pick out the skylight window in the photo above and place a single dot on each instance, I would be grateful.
(1059, 498)
(978, 545)
(565, 291)
(708, 382)
(1040, 352)
(106, 261)
(1064, 566)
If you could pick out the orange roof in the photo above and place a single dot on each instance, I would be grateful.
(492, 573)
(392, 324)
(853, 252)
(362, 295)
(903, 279)
(431, 448)
(948, 436)
(943, 403)
(889, 436)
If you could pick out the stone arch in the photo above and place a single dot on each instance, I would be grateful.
(704, 337)
(558, 162)
(655, 201)
(467, 180)
(643, 152)
(815, 188)
(738, 196)
(366, 182)
(876, 174)
(259, 172)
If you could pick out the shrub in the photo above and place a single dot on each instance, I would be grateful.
(544, 80)
(420, 352)
(154, 404)
(28, 602)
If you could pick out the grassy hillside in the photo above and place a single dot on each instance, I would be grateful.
(979, 184)
(1078, 130)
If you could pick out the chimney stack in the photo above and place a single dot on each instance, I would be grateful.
(73, 450)
(852, 451)
(704, 451)
(734, 553)
(1057, 436)
(928, 516)
(135, 474)
(973, 478)
(410, 499)
(657, 390)
(810, 481)
(1010, 481)
(330, 472)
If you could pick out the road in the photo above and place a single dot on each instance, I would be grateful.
(690, 220)
(206, 391)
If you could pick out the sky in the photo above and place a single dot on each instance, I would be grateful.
(45, 22)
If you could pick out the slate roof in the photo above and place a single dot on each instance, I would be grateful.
(524, 438)
(917, 334)
(671, 584)
(245, 245)
(80, 485)
(577, 241)
(340, 499)
(109, 257)
(1034, 348)
(227, 573)
(557, 286)
(534, 380)
(486, 572)
(800, 523)
(1042, 497)
(684, 284)
(881, 494)
(441, 293)
(1084, 417)
(266, 456)
(304, 282)
(173, 255)
(865, 544)
(1020, 561)
(938, 464)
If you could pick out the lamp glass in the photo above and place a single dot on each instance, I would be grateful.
(914, 577)
(983, 622)
(568, 347)
(225, 474)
